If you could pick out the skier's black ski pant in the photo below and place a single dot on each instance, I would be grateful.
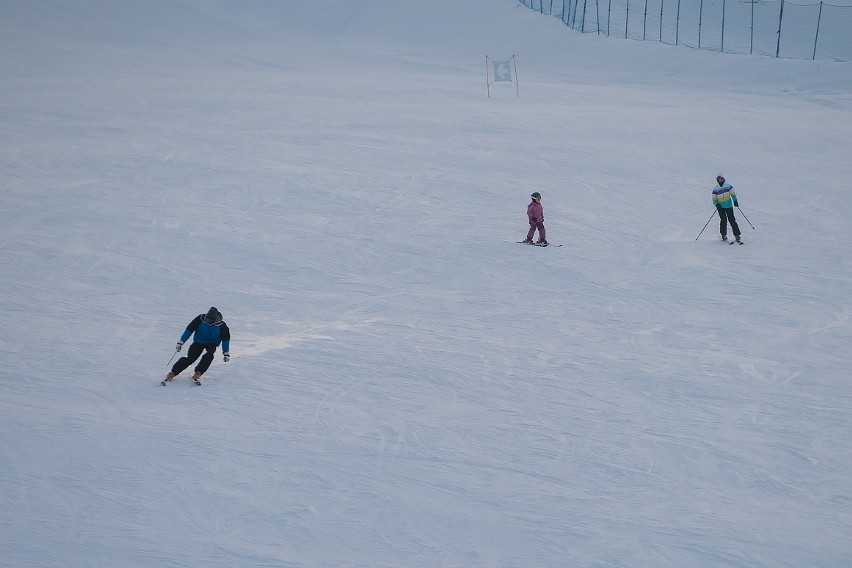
(192, 354)
(725, 216)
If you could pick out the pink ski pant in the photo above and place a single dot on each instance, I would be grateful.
(537, 225)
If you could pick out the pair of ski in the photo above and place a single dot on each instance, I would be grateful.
(734, 242)
(538, 244)
(164, 382)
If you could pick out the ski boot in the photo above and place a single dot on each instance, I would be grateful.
(196, 378)
(168, 378)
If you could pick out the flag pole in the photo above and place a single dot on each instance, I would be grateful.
(517, 86)
(487, 84)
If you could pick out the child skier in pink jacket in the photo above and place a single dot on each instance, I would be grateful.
(536, 216)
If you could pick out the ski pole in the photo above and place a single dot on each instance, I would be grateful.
(170, 359)
(705, 225)
(744, 216)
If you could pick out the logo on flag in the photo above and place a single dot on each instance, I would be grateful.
(502, 70)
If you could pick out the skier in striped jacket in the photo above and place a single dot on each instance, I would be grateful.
(725, 199)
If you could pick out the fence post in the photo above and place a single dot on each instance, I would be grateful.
(816, 35)
(662, 3)
(700, 17)
(780, 19)
(598, 17)
(751, 33)
(677, 23)
(583, 21)
(608, 16)
(645, 21)
(722, 49)
(627, 19)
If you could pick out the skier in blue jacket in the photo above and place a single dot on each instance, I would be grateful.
(210, 330)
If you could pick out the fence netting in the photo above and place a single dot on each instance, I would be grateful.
(775, 28)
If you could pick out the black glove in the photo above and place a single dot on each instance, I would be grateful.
(718, 208)
(736, 204)
(179, 345)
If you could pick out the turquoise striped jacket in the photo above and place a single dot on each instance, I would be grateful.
(724, 195)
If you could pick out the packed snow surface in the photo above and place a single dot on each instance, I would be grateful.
(409, 386)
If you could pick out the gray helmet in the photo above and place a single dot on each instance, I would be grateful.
(213, 317)
(536, 195)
